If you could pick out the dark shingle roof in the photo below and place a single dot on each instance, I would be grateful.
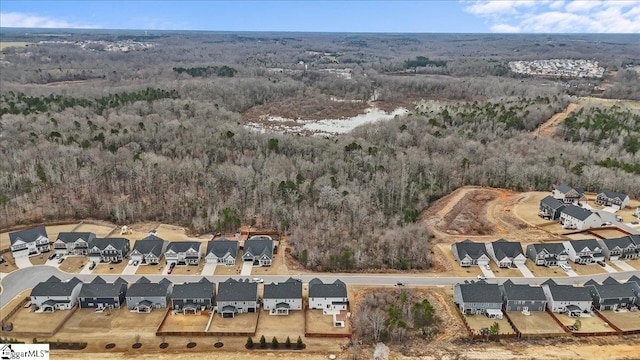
(613, 291)
(28, 235)
(232, 290)
(612, 194)
(503, 248)
(143, 289)
(150, 244)
(203, 289)
(98, 288)
(320, 289)
(552, 248)
(290, 289)
(635, 279)
(480, 292)
(577, 212)
(55, 287)
(473, 249)
(69, 237)
(552, 202)
(259, 247)
(183, 246)
(636, 239)
(117, 243)
(522, 292)
(578, 245)
(221, 247)
(621, 242)
(567, 292)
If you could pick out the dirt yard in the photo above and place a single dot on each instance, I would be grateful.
(544, 272)
(626, 321)
(187, 323)
(607, 233)
(229, 270)
(28, 321)
(291, 325)
(9, 264)
(534, 324)
(589, 324)
(39, 259)
(151, 269)
(189, 269)
(240, 323)
(110, 269)
(478, 322)
(319, 323)
(592, 269)
(100, 230)
(74, 264)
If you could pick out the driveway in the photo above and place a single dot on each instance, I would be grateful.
(571, 273)
(209, 268)
(487, 272)
(623, 265)
(85, 269)
(246, 268)
(525, 270)
(23, 262)
(166, 268)
(130, 269)
(609, 269)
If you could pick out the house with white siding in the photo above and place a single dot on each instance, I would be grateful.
(330, 298)
(29, 242)
(478, 298)
(506, 253)
(55, 294)
(568, 299)
(578, 218)
(183, 253)
(584, 252)
(613, 199)
(280, 298)
(148, 251)
(568, 194)
(73, 243)
(222, 251)
(468, 253)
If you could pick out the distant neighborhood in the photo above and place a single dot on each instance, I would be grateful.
(565, 68)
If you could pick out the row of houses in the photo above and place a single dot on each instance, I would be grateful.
(492, 299)
(230, 298)
(570, 195)
(510, 253)
(148, 251)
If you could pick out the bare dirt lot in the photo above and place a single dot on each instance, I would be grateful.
(534, 324)
(110, 269)
(28, 321)
(99, 230)
(323, 324)
(73, 264)
(229, 270)
(291, 325)
(478, 322)
(589, 324)
(9, 264)
(626, 321)
(187, 323)
(151, 269)
(240, 323)
(189, 269)
(543, 271)
(549, 127)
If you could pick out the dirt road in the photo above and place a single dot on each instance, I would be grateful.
(548, 128)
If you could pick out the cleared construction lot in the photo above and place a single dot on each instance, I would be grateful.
(317, 323)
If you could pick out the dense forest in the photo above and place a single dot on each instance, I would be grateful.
(158, 134)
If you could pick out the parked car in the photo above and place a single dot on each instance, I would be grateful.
(60, 260)
(601, 263)
(170, 270)
(487, 267)
(565, 267)
(52, 256)
(481, 277)
(258, 280)
(92, 266)
(172, 265)
(135, 263)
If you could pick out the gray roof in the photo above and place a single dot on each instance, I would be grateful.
(28, 235)
(150, 245)
(259, 247)
(577, 212)
(503, 248)
(290, 289)
(552, 202)
(567, 292)
(221, 247)
(578, 245)
(612, 194)
(563, 188)
(480, 292)
(635, 279)
(522, 292)
(55, 287)
(148, 289)
(621, 242)
(551, 248)
(101, 289)
(636, 239)
(118, 243)
(612, 291)
(69, 237)
(183, 246)
(610, 281)
(473, 249)
(203, 289)
(337, 289)
(233, 290)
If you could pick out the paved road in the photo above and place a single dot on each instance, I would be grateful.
(26, 278)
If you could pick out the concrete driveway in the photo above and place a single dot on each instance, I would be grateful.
(86, 270)
(209, 268)
(525, 270)
(571, 273)
(623, 265)
(487, 272)
(247, 266)
(166, 268)
(609, 269)
(130, 269)
(23, 262)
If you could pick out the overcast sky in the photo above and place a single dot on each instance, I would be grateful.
(520, 16)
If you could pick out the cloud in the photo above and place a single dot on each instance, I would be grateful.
(577, 16)
(20, 20)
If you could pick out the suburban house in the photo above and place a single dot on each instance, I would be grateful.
(567, 298)
(98, 294)
(478, 298)
(183, 253)
(568, 194)
(29, 242)
(575, 217)
(259, 250)
(108, 250)
(506, 253)
(468, 253)
(144, 296)
(74, 243)
(54, 294)
(523, 297)
(620, 248)
(634, 282)
(222, 251)
(191, 298)
(237, 297)
(279, 298)
(547, 254)
(584, 252)
(550, 208)
(613, 199)
(637, 213)
(148, 250)
(611, 295)
(331, 298)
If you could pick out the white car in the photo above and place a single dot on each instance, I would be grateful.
(565, 267)
(258, 280)
(481, 277)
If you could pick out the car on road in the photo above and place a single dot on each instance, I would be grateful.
(635, 222)
(60, 260)
(92, 266)
(258, 280)
(399, 283)
(52, 256)
(481, 277)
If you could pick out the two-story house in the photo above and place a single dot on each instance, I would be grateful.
(108, 250)
(74, 243)
(575, 217)
(468, 253)
(478, 298)
(613, 199)
(619, 248)
(29, 242)
(523, 297)
(634, 283)
(183, 253)
(550, 208)
(222, 251)
(279, 298)
(567, 299)
(331, 298)
(637, 213)
(144, 296)
(611, 295)
(568, 194)
(98, 294)
(587, 251)
(259, 250)
(237, 297)
(54, 294)
(148, 251)
(192, 298)
(506, 253)
(547, 254)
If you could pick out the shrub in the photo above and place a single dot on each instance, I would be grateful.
(274, 343)
(263, 342)
(299, 343)
(249, 343)
(287, 343)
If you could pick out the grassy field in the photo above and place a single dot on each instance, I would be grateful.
(6, 44)
(535, 323)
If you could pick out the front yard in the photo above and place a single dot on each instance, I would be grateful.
(110, 269)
